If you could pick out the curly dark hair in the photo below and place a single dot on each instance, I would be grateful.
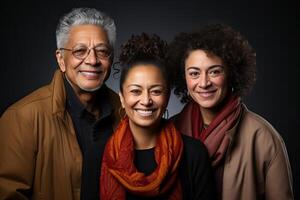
(143, 49)
(220, 40)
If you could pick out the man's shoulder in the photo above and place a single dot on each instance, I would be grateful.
(113, 97)
(39, 98)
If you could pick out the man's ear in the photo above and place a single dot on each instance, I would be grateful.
(60, 60)
(121, 99)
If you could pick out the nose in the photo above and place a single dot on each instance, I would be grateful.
(146, 99)
(91, 58)
(204, 81)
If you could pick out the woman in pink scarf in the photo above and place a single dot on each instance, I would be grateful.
(212, 69)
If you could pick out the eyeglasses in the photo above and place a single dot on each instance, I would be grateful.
(81, 51)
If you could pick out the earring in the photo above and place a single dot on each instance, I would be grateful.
(122, 113)
(166, 114)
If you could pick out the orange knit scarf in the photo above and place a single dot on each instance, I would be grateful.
(118, 173)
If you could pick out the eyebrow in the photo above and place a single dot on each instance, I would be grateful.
(210, 67)
(152, 86)
(136, 85)
(96, 45)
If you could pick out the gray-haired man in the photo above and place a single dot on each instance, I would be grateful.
(52, 140)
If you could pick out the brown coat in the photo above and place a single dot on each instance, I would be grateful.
(39, 153)
(256, 162)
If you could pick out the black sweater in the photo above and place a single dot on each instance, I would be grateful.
(194, 171)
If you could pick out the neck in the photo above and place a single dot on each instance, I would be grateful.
(144, 137)
(207, 115)
(88, 100)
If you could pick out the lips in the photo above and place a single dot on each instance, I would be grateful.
(145, 112)
(207, 94)
(90, 74)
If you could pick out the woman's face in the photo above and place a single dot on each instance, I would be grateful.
(145, 95)
(206, 79)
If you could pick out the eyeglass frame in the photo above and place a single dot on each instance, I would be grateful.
(89, 50)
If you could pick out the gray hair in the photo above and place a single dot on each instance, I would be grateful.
(80, 16)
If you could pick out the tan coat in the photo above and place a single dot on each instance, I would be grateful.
(39, 153)
(256, 162)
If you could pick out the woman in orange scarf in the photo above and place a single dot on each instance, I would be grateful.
(213, 69)
(147, 158)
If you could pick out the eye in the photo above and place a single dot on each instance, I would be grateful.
(79, 51)
(156, 92)
(135, 92)
(102, 51)
(215, 72)
(194, 74)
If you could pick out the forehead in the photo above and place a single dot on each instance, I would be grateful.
(200, 58)
(145, 74)
(87, 34)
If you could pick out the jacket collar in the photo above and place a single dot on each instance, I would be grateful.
(59, 93)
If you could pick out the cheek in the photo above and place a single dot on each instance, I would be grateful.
(190, 83)
(129, 101)
(72, 63)
(162, 102)
(220, 82)
(106, 64)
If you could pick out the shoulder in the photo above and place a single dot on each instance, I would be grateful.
(258, 134)
(36, 101)
(116, 104)
(254, 125)
(113, 97)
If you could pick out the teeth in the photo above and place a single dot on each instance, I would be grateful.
(144, 112)
(90, 74)
(206, 94)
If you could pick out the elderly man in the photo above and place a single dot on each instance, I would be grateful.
(51, 141)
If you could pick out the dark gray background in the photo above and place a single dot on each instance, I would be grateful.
(28, 48)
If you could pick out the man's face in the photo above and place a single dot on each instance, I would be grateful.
(88, 73)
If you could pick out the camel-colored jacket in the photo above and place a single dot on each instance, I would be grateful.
(40, 157)
(256, 162)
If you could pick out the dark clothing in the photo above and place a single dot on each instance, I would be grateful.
(194, 171)
(92, 135)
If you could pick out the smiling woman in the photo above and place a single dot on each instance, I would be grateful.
(147, 156)
(213, 68)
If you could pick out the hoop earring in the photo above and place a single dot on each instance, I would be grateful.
(122, 113)
(166, 114)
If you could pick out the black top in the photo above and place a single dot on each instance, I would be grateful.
(195, 170)
(92, 136)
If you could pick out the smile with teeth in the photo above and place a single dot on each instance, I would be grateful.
(145, 112)
(207, 94)
(90, 74)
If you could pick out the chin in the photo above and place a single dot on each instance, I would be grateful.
(147, 123)
(89, 88)
(207, 104)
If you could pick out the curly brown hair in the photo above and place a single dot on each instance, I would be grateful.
(222, 41)
(143, 49)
